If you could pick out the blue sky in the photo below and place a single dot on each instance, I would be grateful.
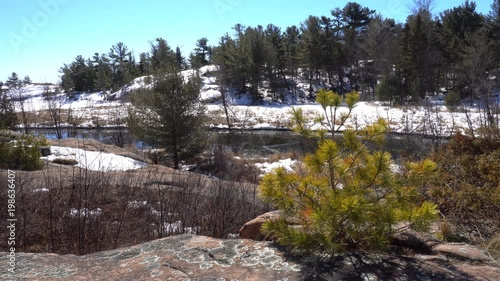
(38, 36)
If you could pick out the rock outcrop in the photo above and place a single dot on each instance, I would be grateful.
(191, 257)
(251, 229)
(184, 257)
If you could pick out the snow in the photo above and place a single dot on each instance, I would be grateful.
(436, 120)
(176, 227)
(30, 91)
(93, 109)
(267, 167)
(82, 101)
(170, 228)
(84, 212)
(137, 204)
(40, 190)
(94, 160)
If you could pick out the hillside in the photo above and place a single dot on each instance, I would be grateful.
(100, 109)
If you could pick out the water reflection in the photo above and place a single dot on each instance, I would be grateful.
(250, 143)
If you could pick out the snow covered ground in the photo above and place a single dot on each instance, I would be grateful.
(93, 109)
(267, 167)
(94, 160)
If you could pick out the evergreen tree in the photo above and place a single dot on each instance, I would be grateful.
(67, 83)
(382, 49)
(291, 42)
(201, 55)
(254, 40)
(242, 57)
(169, 115)
(102, 72)
(310, 46)
(79, 73)
(102, 80)
(391, 88)
(331, 121)
(162, 56)
(458, 23)
(352, 22)
(179, 59)
(421, 55)
(27, 80)
(90, 76)
(13, 81)
(275, 63)
(120, 56)
(132, 69)
(144, 64)
(8, 117)
(493, 26)
(346, 197)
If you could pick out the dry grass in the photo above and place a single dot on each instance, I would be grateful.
(47, 204)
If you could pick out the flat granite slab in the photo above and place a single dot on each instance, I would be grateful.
(192, 257)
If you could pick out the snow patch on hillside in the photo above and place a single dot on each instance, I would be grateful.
(94, 160)
(267, 167)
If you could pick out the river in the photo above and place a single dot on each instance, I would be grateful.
(260, 143)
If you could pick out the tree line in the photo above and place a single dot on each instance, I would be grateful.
(356, 48)
(118, 67)
(352, 48)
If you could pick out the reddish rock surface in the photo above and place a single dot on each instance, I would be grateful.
(184, 257)
(191, 257)
(251, 229)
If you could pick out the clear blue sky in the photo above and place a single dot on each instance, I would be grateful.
(38, 36)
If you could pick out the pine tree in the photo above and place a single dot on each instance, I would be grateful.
(67, 83)
(169, 115)
(180, 60)
(391, 88)
(13, 81)
(201, 55)
(27, 80)
(162, 56)
(459, 23)
(292, 38)
(90, 76)
(310, 46)
(493, 25)
(102, 81)
(275, 58)
(8, 117)
(79, 73)
(119, 56)
(144, 64)
(254, 41)
(383, 49)
(346, 197)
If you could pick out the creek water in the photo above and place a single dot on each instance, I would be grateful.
(254, 143)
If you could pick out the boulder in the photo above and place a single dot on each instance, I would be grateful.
(252, 229)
